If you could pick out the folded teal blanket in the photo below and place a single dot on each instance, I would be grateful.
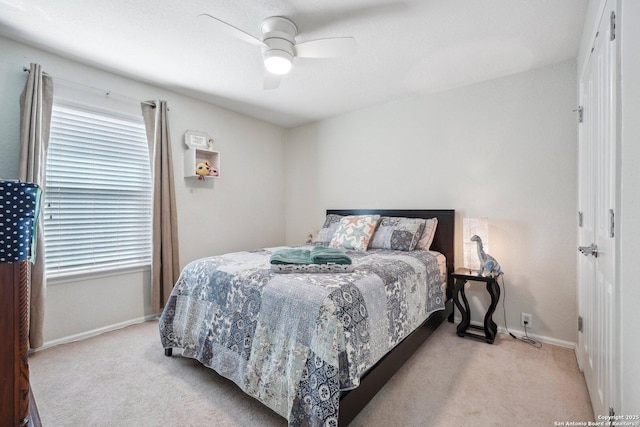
(324, 255)
(291, 256)
(318, 255)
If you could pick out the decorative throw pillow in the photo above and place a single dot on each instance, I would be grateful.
(354, 232)
(401, 234)
(328, 229)
(427, 235)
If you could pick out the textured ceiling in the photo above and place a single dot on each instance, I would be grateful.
(403, 47)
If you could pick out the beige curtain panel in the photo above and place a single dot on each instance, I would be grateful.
(165, 267)
(36, 102)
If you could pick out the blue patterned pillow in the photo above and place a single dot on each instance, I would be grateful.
(400, 234)
(328, 229)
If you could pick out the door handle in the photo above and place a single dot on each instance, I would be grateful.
(589, 250)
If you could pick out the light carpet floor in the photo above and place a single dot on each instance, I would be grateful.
(122, 378)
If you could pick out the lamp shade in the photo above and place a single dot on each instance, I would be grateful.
(277, 61)
(471, 227)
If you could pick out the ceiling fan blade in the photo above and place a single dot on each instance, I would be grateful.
(235, 32)
(271, 81)
(326, 48)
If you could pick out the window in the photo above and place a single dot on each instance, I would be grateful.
(97, 213)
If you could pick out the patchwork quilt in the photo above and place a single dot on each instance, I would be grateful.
(294, 341)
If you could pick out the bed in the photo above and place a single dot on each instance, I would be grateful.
(314, 347)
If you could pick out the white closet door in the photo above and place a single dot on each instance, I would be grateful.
(597, 343)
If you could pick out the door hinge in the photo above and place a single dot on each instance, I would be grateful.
(612, 223)
(580, 111)
(612, 26)
(580, 219)
(579, 323)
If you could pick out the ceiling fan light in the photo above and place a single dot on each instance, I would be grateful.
(278, 62)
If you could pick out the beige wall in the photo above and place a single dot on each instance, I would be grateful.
(504, 149)
(244, 209)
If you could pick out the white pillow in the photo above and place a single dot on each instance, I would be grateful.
(427, 235)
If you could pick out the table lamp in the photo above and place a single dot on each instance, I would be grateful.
(471, 227)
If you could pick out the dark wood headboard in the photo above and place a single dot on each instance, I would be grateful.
(443, 241)
(354, 400)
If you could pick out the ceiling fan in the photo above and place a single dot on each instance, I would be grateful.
(279, 46)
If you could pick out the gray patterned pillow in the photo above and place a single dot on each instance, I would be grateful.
(427, 235)
(401, 234)
(328, 229)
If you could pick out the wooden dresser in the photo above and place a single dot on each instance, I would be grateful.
(19, 208)
(17, 407)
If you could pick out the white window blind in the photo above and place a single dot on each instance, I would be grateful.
(98, 192)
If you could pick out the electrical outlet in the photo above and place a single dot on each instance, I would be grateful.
(525, 317)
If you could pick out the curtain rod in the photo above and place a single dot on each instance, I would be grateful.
(107, 93)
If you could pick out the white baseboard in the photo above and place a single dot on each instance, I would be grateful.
(541, 338)
(520, 333)
(94, 332)
(108, 328)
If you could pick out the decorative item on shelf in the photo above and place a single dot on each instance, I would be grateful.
(196, 139)
(203, 169)
(475, 235)
(200, 161)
